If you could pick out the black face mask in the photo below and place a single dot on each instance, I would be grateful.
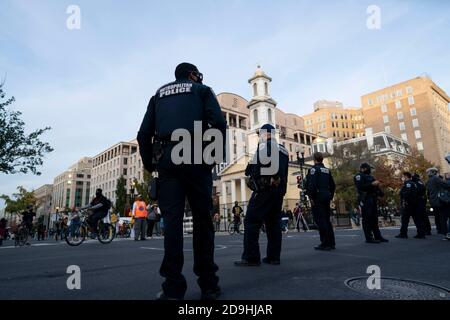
(98, 194)
(199, 76)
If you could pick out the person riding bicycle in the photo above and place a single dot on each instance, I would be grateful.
(27, 219)
(237, 210)
(100, 206)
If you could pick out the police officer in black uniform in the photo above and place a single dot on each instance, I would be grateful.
(269, 187)
(422, 205)
(410, 207)
(178, 105)
(320, 188)
(368, 192)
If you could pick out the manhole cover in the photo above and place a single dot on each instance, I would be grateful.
(399, 289)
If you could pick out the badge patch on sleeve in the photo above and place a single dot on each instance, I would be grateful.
(312, 171)
(358, 178)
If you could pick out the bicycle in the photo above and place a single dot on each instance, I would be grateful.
(78, 229)
(232, 228)
(21, 235)
(124, 230)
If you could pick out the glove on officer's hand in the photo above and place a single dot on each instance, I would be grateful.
(275, 181)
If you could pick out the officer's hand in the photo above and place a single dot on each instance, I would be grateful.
(376, 183)
(275, 181)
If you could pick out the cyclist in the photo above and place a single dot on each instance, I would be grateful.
(27, 220)
(100, 206)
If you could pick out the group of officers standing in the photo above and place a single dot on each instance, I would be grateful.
(169, 110)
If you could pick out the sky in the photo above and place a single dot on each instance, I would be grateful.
(92, 85)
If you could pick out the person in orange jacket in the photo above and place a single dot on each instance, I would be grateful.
(139, 214)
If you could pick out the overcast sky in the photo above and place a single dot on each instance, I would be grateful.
(92, 85)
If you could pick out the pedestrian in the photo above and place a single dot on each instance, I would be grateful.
(447, 206)
(422, 204)
(284, 221)
(216, 220)
(41, 228)
(237, 211)
(139, 212)
(153, 213)
(183, 105)
(409, 197)
(368, 192)
(435, 186)
(3, 224)
(27, 219)
(320, 189)
(268, 172)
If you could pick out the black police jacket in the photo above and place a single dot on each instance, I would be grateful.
(409, 193)
(366, 190)
(320, 186)
(178, 105)
(255, 166)
(421, 189)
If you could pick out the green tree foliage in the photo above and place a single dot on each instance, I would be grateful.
(142, 188)
(19, 200)
(19, 152)
(121, 196)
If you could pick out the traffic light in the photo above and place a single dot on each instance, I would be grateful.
(299, 182)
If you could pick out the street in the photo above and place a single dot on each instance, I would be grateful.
(126, 269)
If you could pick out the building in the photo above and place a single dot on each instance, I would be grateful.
(378, 144)
(71, 188)
(331, 120)
(44, 195)
(245, 119)
(120, 160)
(415, 110)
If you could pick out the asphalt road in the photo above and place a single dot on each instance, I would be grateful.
(126, 269)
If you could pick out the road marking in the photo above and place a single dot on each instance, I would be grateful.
(218, 247)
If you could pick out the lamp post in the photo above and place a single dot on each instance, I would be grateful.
(132, 194)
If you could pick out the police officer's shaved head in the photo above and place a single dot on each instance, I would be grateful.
(318, 157)
(407, 174)
(184, 69)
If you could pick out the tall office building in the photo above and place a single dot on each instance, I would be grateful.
(71, 188)
(415, 110)
(331, 120)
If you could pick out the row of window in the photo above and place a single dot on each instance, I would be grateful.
(394, 94)
(401, 116)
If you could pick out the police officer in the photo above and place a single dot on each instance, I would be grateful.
(268, 180)
(410, 203)
(182, 104)
(320, 188)
(422, 205)
(368, 192)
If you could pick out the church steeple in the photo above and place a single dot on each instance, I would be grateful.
(262, 106)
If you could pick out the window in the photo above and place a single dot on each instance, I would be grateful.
(420, 146)
(385, 119)
(399, 93)
(415, 123)
(400, 115)
(411, 100)
(255, 89)
(255, 116)
(398, 104)
(370, 102)
(266, 88)
(387, 129)
(125, 172)
(404, 137)
(409, 90)
(125, 161)
(402, 126)
(418, 134)
(413, 111)
(384, 108)
(269, 112)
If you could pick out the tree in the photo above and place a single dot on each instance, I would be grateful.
(142, 188)
(19, 201)
(19, 152)
(121, 195)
